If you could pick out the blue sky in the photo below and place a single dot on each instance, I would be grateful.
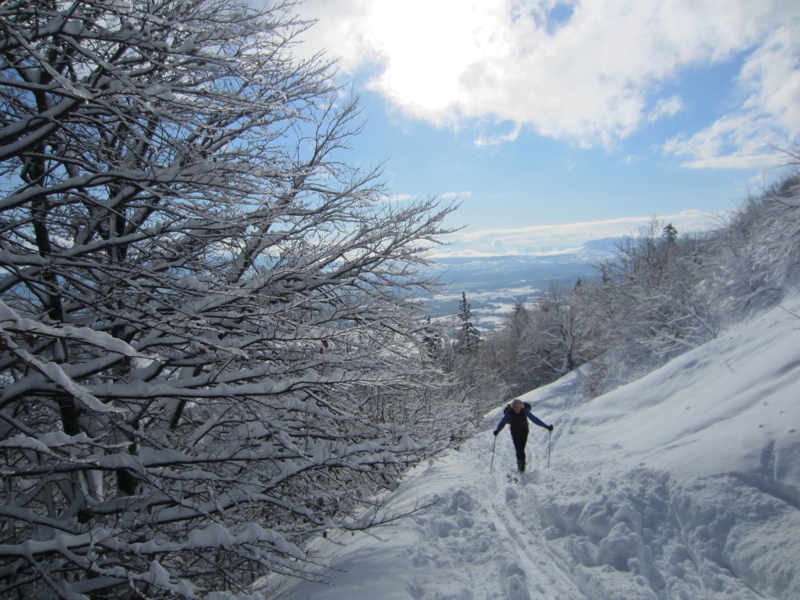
(558, 122)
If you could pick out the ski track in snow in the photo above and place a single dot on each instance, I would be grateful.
(476, 542)
(536, 568)
(684, 484)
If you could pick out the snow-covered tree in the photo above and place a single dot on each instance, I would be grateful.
(203, 307)
(757, 247)
(553, 342)
(470, 382)
(669, 233)
(467, 337)
(653, 297)
(542, 341)
(506, 347)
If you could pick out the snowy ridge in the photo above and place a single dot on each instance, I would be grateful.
(683, 484)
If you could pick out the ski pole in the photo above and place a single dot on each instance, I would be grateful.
(492, 463)
(550, 437)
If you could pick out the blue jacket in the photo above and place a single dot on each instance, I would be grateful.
(518, 421)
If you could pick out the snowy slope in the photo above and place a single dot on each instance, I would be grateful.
(683, 484)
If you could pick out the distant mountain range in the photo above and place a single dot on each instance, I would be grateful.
(494, 284)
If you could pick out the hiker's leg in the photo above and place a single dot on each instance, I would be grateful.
(520, 440)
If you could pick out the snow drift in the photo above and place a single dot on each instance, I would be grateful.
(683, 484)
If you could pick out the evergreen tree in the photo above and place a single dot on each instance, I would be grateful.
(669, 233)
(468, 337)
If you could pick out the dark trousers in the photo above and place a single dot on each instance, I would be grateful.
(520, 439)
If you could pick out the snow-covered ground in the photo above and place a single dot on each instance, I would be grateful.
(683, 484)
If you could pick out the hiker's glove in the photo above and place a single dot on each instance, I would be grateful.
(550, 428)
(496, 431)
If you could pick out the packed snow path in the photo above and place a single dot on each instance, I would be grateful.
(478, 540)
(683, 484)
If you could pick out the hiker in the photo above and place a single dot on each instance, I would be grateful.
(516, 415)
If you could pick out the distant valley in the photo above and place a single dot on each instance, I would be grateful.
(495, 284)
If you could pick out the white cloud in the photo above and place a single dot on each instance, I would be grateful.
(769, 117)
(399, 198)
(742, 141)
(591, 77)
(495, 140)
(410, 197)
(561, 239)
(666, 107)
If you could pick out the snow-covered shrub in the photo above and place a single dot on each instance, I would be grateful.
(757, 249)
(650, 296)
(203, 308)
